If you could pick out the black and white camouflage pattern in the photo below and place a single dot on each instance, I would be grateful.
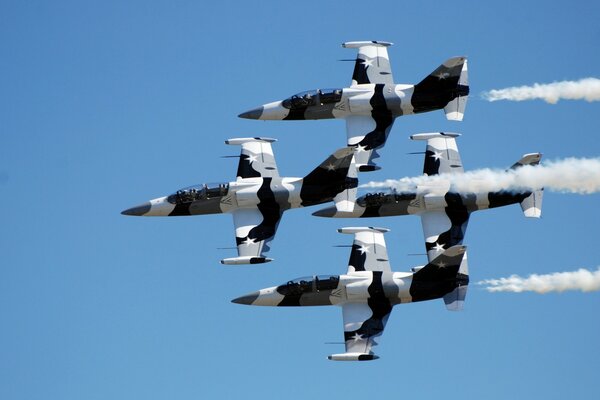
(259, 196)
(372, 102)
(369, 290)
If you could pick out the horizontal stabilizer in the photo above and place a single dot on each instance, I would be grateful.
(353, 357)
(532, 204)
(245, 260)
(528, 159)
(455, 110)
(345, 201)
(455, 300)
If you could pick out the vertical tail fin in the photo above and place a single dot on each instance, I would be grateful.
(331, 178)
(447, 87)
(445, 276)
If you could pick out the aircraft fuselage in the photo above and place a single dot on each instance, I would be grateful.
(278, 193)
(392, 204)
(392, 100)
(360, 286)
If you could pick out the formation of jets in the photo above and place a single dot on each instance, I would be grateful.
(369, 289)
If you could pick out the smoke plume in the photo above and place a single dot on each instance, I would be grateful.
(584, 89)
(571, 175)
(582, 279)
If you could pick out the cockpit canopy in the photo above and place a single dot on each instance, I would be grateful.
(313, 98)
(199, 192)
(379, 198)
(309, 284)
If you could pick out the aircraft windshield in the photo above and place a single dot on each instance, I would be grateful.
(199, 192)
(309, 284)
(312, 98)
(327, 282)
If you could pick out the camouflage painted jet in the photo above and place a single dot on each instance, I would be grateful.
(259, 196)
(372, 102)
(444, 214)
(369, 290)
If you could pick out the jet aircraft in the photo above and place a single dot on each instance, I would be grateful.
(372, 102)
(259, 196)
(369, 290)
(444, 214)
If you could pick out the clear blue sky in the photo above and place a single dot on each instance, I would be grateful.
(104, 105)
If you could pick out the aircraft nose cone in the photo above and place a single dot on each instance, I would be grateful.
(247, 299)
(252, 114)
(138, 210)
(325, 212)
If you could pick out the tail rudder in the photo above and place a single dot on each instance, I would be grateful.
(455, 110)
(532, 204)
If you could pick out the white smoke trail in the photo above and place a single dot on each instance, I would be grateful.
(584, 89)
(582, 279)
(571, 175)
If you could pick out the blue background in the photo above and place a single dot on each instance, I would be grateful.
(104, 105)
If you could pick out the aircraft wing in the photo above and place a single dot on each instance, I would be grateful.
(363, 322)
(441, 155)
(368, 133)
(369, 252)
(254, 230)
(256, 159)
(444, 228)
(372, 63)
